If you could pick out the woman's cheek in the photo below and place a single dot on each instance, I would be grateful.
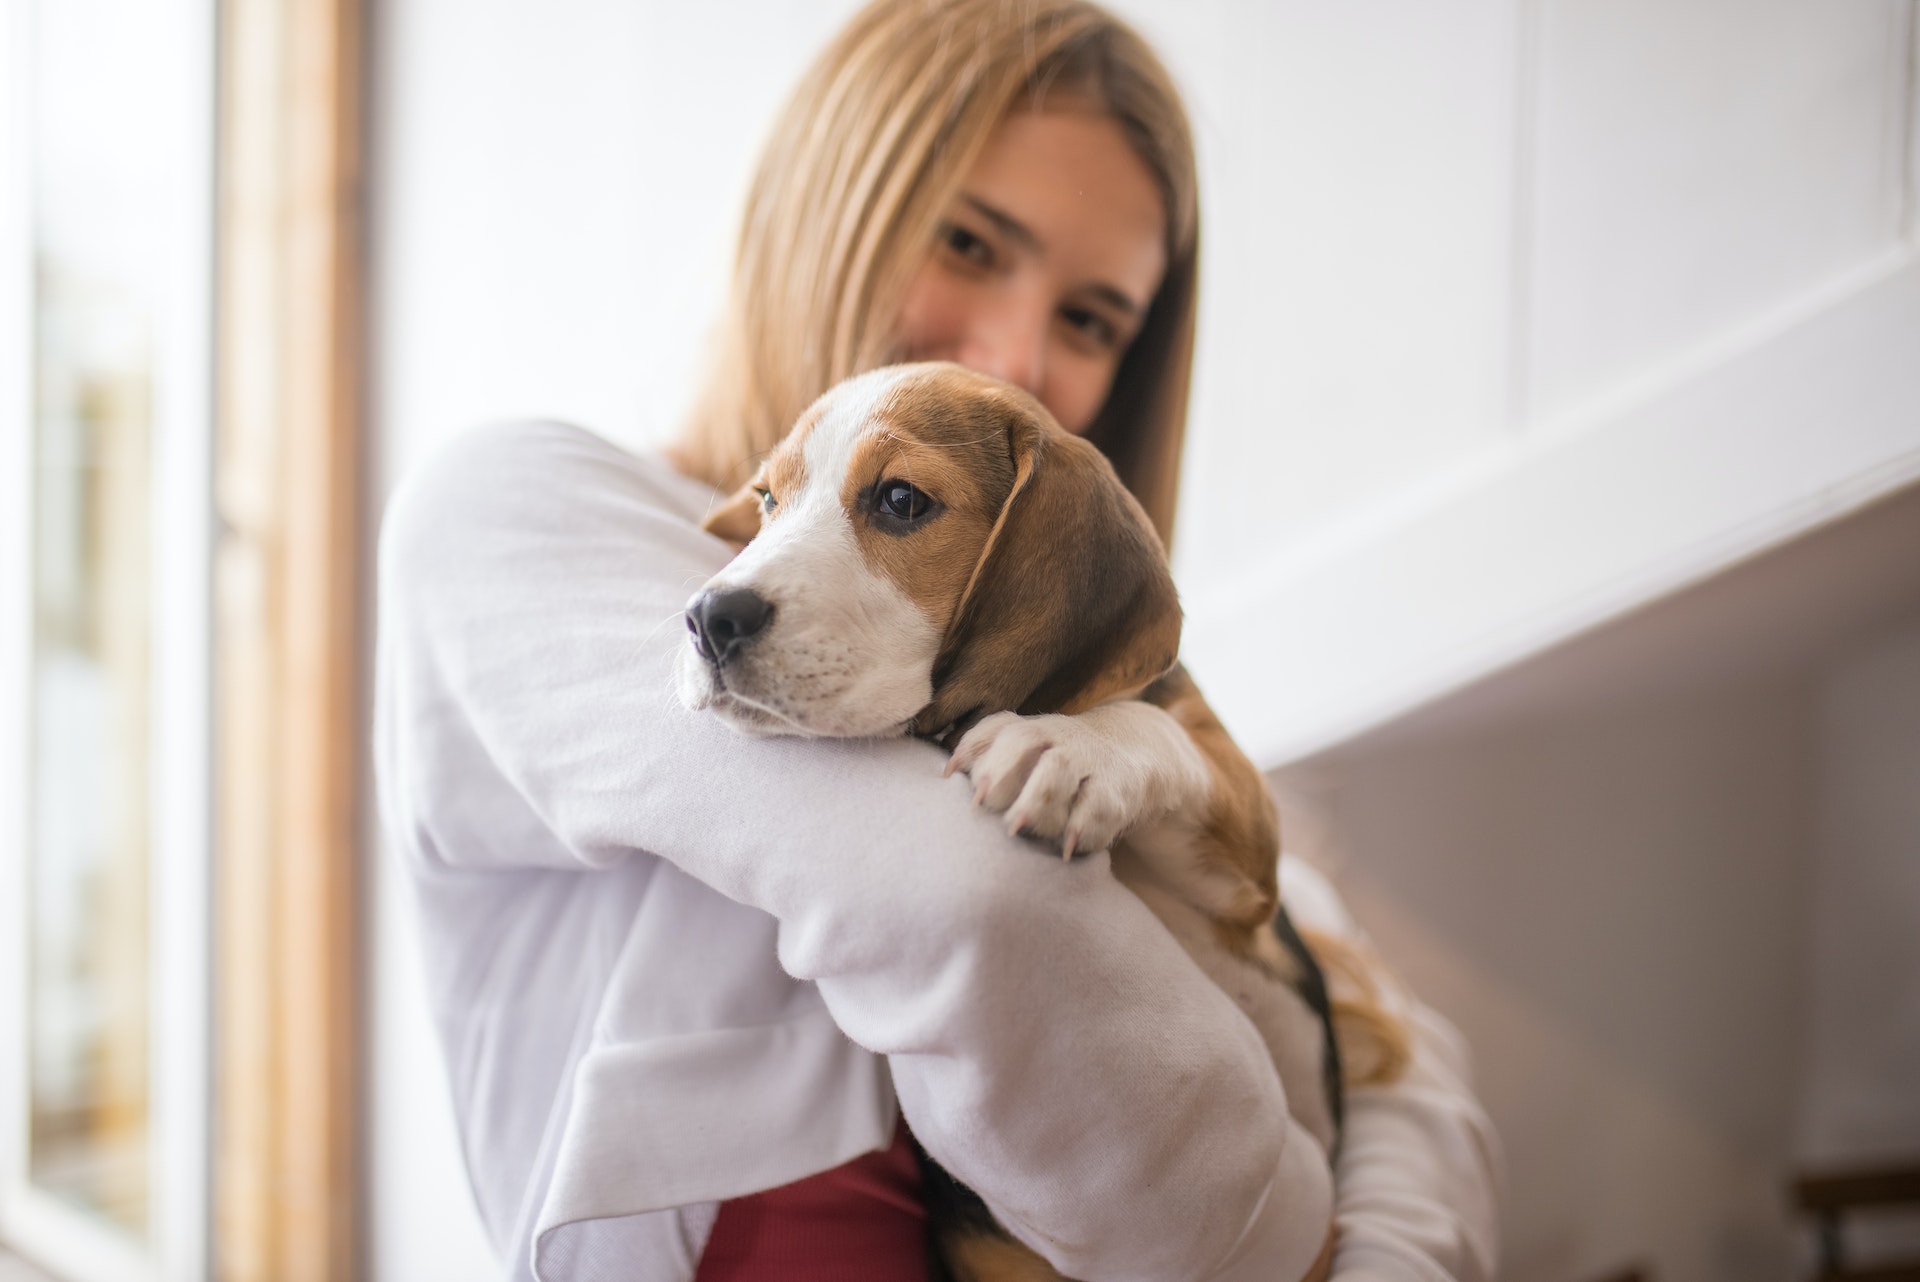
(1076, 389)
(928, 317)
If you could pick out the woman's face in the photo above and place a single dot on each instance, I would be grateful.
(1045, 262)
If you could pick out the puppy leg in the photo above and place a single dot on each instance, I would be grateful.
(1233, 841)
(1162, 772)
(1083, 780)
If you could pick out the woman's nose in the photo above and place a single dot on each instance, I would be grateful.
(1009, 346)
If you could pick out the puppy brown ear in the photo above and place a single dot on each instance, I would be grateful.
(738, 519)
(1071, 604)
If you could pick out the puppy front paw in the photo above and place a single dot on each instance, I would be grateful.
(1052, 777)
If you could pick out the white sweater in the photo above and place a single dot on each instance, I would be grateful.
(672, 965)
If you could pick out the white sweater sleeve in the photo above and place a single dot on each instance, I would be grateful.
(1050, 1043)
(1419, 1164)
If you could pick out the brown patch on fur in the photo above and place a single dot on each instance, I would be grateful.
(739, 519)
(785, 473)
(1070, 603)
(1239, 836)
(1322, 1267)
(1375, 1045)
(980, 1257)
(946, 436)
(1275, 956)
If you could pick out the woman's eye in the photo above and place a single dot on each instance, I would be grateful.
(902, 501)
(972, 248)
(1090, 324)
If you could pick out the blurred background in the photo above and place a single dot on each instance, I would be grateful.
(1551, 531)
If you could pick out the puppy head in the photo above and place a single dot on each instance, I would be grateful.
(1070, 604)
(925, 547)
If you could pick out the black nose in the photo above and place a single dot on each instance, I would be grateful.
(724, 620)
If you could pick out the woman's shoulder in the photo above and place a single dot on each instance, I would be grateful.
(533, 478)
(520, 462)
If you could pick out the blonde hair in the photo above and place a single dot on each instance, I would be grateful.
(861, 167)
(1376, 1046)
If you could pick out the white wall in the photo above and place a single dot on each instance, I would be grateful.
(1860, 1105)
(1358, 204)
(554, 192)
(1698, 166)
(1667, 879)
(1610, 906)
(1688, 340)
(1862, 1061)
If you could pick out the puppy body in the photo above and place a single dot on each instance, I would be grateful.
(928, 553)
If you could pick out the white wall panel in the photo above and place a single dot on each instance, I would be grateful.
(1554, 535)
(555, 197)
(1698, 165)
(1913, 126)
(1356, 171)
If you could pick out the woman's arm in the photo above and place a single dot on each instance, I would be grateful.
(1050, 1043)
(1418, 1166)
(1418, 1174)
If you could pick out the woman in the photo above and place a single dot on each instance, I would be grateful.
(674, 968)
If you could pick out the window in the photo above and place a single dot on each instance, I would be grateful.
(106, 215)
(178, 560)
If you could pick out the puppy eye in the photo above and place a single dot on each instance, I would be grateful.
(901, 501)
(766, 499)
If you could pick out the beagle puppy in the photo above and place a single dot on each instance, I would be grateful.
(929, 553)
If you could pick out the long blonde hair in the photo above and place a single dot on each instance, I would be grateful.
(862, 165)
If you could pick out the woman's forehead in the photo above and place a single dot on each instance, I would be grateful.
(1087, 204)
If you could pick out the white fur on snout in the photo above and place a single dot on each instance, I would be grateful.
(694, 680)
(847, 653)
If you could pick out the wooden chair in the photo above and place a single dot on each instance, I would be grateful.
(1830, 1195)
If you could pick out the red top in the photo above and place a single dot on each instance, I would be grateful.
(862, 1222)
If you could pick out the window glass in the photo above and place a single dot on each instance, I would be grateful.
(98, 157)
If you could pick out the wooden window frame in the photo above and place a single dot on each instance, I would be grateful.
(287, 464)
